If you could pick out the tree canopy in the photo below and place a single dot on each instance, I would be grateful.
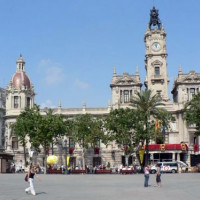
(120, 125)
(87, 130)
(39, 130)
(150, 108)
(192, 114)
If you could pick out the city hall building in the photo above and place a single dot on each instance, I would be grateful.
(180, 142)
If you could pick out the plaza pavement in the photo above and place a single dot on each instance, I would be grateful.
(101, 187)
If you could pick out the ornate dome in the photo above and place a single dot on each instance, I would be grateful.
(20, 79)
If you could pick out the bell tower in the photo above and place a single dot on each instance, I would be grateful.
(156, 56)
(19, 95)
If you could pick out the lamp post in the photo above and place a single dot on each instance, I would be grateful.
(31, 156)
(65, 148)
(13, 160)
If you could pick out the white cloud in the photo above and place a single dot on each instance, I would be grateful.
(81, 84)
(48, 103)
(53, 72)
(54, 76)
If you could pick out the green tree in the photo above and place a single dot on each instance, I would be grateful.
(41, 130)
(120, 125)
(87, 132)
(49, 128)
(149, 107)
(192, 113)
(22, 127)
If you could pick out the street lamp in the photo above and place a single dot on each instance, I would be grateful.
(31, 155)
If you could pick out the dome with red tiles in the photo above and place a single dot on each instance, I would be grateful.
(20, 79)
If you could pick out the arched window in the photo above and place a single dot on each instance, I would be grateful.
(16, 101)
(14, 143)
(28, 102)
(126, 96)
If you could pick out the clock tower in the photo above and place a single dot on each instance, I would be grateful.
(156, 56)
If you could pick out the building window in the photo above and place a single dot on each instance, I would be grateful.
(126, 96)
(121, 96)
(192, 92)
(14, 143)
(157, 71)
(159, 92)
(166, 137)
(28, 102)
(131, 95)
(195, 140)
(16, 101)
(71, 143)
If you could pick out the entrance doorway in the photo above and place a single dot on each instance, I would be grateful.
(130, 160)
(96, 161)
(72, 162)
(194, 159)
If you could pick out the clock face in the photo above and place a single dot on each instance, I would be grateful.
(156, 46)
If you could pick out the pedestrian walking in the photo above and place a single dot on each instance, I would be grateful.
(158, 176)
(31, 174)
(146, 176)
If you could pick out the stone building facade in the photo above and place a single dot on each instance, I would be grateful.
(179, 139)
(2, 114)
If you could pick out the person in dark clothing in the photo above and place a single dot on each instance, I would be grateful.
(158, 176)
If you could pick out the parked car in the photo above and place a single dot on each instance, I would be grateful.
(171, 167)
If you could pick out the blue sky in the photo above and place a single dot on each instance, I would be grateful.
(71, 46)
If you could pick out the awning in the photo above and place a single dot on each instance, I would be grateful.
(163, 147)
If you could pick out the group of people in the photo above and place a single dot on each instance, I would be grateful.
(146, 176)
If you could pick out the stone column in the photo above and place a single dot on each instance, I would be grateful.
(173, 156)
(178, 156)
(9, 147)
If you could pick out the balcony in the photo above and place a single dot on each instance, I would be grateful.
(157, 78)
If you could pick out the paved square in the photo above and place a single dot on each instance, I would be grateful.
(101, 187)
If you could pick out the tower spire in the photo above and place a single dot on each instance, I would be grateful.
(137, 70)
(114, 72)
(180, 69)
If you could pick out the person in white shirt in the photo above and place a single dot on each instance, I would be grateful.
(146, 176)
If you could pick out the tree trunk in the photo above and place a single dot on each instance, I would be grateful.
(24, 148)
(83, 158)
(45, 161)
(147, 144)
(52, 152)
(147, 153)
(126, 159)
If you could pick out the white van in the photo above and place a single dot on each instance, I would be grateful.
(165, 167)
